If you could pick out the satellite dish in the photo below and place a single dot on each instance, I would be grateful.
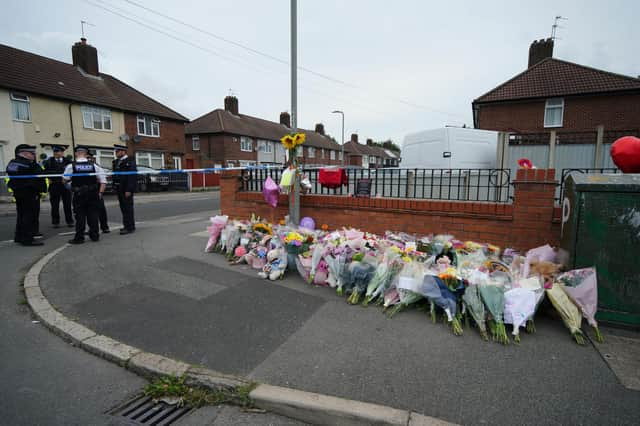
(124, 137)
(136, 138)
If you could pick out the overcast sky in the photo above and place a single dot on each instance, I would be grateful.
(393, 67)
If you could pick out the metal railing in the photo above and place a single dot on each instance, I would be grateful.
(489, 185)
(567, 172)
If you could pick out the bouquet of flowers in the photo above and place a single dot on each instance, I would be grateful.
(217, 225)
(569, 312)
(582, 287)
(387, 269)
(434, 289)
(361, 274)
(493, 298)
(519, 305)
(475, 307)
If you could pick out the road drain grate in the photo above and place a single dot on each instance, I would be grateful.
(143, 410)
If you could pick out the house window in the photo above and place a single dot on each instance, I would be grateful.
(245, 144)
(177, 163)
(148, 126)
(265, 146)
(312, 152)
(553, 112)
(105, 157)
(20, 107)
(230, 164)
(96, 118)
(195, 143)
(299, 151)
(332, 154)
(340, 155)
(247, 163)
(150, 159)
(322, 152)
(365, 159)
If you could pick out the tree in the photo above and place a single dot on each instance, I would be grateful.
(388, 144)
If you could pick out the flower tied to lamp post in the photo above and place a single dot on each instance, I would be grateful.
(291, 142)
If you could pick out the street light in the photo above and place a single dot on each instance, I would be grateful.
(342, 143)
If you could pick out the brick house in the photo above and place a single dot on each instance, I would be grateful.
(45, 102)
(224, 137)
(552, 94)
(368, 155)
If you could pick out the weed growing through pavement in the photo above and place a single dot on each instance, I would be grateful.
(175, 387)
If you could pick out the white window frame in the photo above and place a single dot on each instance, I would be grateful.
(322, 152)
(231, 164)
(246, 144)
(332, 154)
(91, 114)
(102, 154)
(551, 104)
(299, 151)
(148, 156)
(245, 163)
(340, 156)
(311, 152)
(23, 99)
(154, 126)
(365, 159)
(195, 143)
(177, 162)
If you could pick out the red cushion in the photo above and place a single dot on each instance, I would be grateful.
(625, 153)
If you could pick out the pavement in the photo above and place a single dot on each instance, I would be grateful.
(158, 291)
(49, 381)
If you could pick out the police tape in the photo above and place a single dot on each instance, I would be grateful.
(145, 172)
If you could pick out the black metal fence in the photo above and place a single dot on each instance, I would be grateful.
(493, 185)
(567, 172)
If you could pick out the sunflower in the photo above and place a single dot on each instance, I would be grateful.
(299, 138)
(288, 141)
(263, 227)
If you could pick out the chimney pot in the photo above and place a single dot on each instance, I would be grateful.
(320, 128)
(231, 104)
(354, 137)
(369, 142)
(285, 119)
(540, 50)
(85, 56)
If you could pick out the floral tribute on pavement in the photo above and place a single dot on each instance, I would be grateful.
(464, 283)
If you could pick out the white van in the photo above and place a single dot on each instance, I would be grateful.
(450, 148)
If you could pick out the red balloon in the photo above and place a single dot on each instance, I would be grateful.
(625, 153)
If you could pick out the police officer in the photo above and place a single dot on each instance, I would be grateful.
(87, 191)
(125, 186)
(27, 193)
(102, 210)
(57, 191)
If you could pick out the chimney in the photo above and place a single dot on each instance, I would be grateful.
(354, 137)
(539, 50)
(320, 128)
(85, 56)
(369, 142)
(285, 119)
(231, 104)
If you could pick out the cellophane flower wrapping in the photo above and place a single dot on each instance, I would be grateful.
(270, 191)
(409, 282)
(475, 307)
(382, 275)
(568, 311)
(544, 253)
(391, 297)
(318, 252)
(217, 225)
(582, 287)
(361, 274)
(519, 305)
(493, 298)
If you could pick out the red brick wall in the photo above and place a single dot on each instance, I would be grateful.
(581, 113)
(171, 138)
(529, 222)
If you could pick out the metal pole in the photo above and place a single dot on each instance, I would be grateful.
(343, 139)
(294, 198)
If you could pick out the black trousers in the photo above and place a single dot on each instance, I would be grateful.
(126, 207)
(27, 210)
(102, 215)
(85, 207)
(58, 192)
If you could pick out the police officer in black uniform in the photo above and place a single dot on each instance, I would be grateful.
(87, 191)
(57, 191)
(102, 210)
(125, 186)
(27, 193)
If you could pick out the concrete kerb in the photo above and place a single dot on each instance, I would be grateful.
(305, 406)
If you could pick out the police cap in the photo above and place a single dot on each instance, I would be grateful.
(23, 147)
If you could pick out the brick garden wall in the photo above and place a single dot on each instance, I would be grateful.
(530, 221)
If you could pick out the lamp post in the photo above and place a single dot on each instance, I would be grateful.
(342, 142)
(294, 197)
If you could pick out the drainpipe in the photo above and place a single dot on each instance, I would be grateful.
(73, 138)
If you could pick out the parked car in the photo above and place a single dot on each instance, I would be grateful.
(151, 180)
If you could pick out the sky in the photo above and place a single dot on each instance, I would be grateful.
(393, 67)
